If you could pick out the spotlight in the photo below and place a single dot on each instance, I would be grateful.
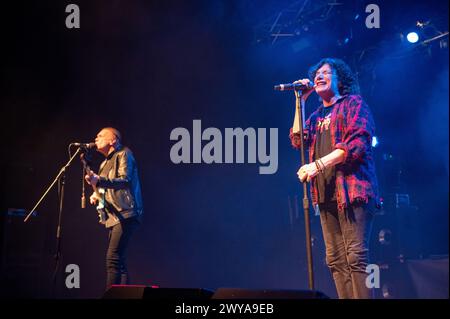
(412, 37)
(375, 141)
(422, 24)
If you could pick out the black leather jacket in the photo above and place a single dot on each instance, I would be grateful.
(119, 177)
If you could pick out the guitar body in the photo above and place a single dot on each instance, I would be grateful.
(100, 194)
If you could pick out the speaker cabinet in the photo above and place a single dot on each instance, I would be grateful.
(239, 293)
(145, 292)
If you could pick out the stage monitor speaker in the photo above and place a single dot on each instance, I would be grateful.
(429, 277)
(125, 292)
(21, 254)
(146, 292)
(239, 293)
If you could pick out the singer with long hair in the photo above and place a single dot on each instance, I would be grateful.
(341, 172)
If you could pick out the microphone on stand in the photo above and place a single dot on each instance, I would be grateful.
(293, 86)
(84, 145)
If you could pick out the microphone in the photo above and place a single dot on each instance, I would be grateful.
(84, 145)
(293, 86)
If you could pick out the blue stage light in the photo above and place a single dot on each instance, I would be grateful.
(412, 37)
(374, 141)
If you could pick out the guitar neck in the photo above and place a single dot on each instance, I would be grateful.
(94, 188)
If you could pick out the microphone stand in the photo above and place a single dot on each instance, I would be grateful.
(60, 178)
(300, 108)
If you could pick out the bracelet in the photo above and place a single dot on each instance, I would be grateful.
(323, 165)
(318, 166)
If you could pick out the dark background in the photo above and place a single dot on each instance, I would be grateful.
(147, 67)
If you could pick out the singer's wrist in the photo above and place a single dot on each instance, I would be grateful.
(332, 159)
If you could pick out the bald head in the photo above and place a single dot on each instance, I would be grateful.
(107, 140)
(115, 132)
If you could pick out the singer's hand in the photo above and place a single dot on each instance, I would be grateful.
(93, 199)
(92, 179)
(307, 172)
(309, 83)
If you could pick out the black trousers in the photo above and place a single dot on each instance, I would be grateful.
(119, 237)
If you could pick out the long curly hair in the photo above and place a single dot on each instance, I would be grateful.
(347, 82)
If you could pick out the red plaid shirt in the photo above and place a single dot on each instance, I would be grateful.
(351, 130)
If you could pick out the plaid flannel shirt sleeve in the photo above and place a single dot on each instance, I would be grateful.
(358, 131)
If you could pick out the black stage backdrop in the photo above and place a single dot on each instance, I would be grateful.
(147, 67)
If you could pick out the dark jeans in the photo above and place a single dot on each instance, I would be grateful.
(346, 237)
(119, 236)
